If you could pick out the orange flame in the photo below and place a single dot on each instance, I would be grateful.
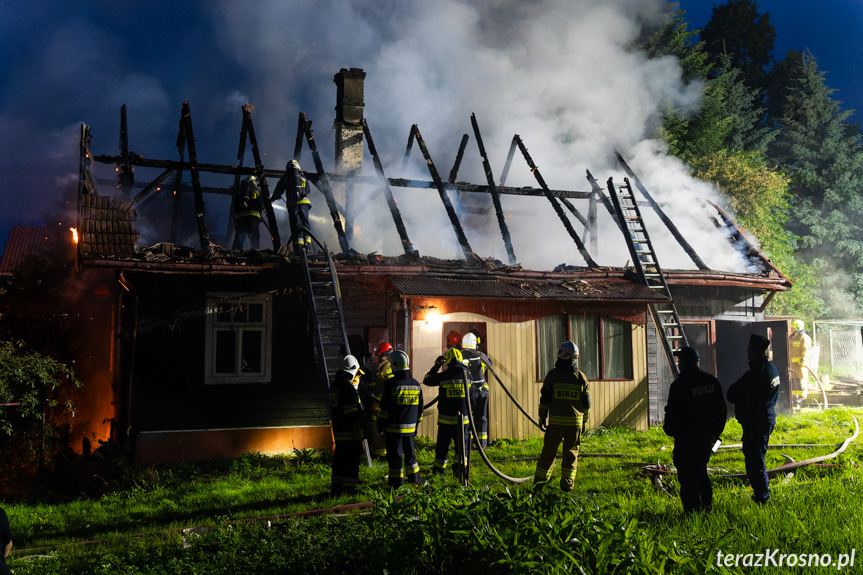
(74, 234)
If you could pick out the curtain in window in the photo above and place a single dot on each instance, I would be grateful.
(551, 331)
(617, 348)
(584, 331)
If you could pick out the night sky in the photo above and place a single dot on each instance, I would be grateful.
(558, 76)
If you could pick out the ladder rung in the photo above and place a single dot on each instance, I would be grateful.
(664, 311)
(673, 337)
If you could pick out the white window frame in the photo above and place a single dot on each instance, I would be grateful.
(217, 302)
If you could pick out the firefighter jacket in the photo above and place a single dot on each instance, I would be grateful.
(384, 373)
(477, 370)
(248, 202)
(452, 395)
(564, 397)
(401, 404)
(293, 185)
(346, 408)
(696, 411)
(754, 395)
(800, 344)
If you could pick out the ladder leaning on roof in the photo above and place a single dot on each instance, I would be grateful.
(644, 259)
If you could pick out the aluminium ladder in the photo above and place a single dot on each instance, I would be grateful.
(646, 264)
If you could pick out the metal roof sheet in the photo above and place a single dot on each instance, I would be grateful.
(596, 289)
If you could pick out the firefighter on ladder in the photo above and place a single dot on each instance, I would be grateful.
(800, 345)
(346, 410)
(452, 405)
(478, 385)
(565, 403)
(401, 412)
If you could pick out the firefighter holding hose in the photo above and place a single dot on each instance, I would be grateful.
(452, 404)
(564, 403)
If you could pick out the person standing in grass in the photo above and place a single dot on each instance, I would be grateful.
(346, 411)
(401, 412)
(754, 398)
(565, 403)
(695, 417)
(5, 541)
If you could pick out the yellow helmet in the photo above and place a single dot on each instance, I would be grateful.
(798, 325)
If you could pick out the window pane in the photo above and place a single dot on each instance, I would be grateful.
(584, 331)
(252, 351)
(226, 351)
(223, 313)
(551, 331)
(256, 312)
(617, 349)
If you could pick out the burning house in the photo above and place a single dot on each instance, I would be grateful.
(217, 351)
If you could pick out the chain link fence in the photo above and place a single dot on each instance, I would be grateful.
(841, 347)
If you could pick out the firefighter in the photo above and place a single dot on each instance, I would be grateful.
(477, 370)
(565, 403)
(380, 373)
(293, 185)
(453, 339)
(800, 344)
(401, 412)
(346, 410)
(452, 405)
(695, 417)
(754, 398)
(248, 207)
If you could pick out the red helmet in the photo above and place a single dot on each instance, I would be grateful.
(383, 348)
(453, 339)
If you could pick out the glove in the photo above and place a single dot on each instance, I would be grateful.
(542, 426)
(440, 361)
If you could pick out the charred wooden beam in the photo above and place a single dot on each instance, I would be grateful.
(509, 156)
(125, 169)
(241, 156)
(145, 193)
(323, 184)
(273, 226)
(690, 251)
(453, 174)
(597, 191)
(388, 193)
(453, 217)
(189, 139)
(178, 180)
(555, 204)
(414, 132)
(86, 184)
(495, 195)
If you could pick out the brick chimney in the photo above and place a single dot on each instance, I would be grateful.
(349, 120)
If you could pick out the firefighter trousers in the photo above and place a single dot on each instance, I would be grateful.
(346, 465)
(479, 409)
(402, 459)
(570, 436)
(447, 434)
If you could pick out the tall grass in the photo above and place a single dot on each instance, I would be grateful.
(614, 521)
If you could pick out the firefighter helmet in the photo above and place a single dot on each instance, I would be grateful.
(383, 348)
(350, 365)
(252, 180)
(567, 350)
(798, 325)
(453, 339)
(469, 341)
(400, 361)
(453, 355)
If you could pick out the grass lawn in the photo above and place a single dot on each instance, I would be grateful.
(232, 516)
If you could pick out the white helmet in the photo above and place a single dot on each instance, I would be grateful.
(399, 361)
(469, 341)
(350, 365)
(567, 350)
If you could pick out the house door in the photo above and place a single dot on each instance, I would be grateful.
(731, 339)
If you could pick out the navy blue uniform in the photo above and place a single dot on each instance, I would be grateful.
(346, 410)
(695, 417)
(401, 412)
(478, 393)
(452, 400)
(754, 398)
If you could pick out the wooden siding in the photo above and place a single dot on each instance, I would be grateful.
(512, 348)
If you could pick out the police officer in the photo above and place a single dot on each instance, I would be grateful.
(293, 185)
(754, 398)
(401, 412)
(248, 206)
(695, 417)
(800, 344)
(564, 403)
(346, 410)
(452, 404)
(478, 385)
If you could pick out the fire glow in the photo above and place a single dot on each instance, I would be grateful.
(74, 234)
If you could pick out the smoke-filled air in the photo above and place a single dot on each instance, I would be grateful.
(562, 74)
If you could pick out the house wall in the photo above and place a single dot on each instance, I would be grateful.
(512, 347)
